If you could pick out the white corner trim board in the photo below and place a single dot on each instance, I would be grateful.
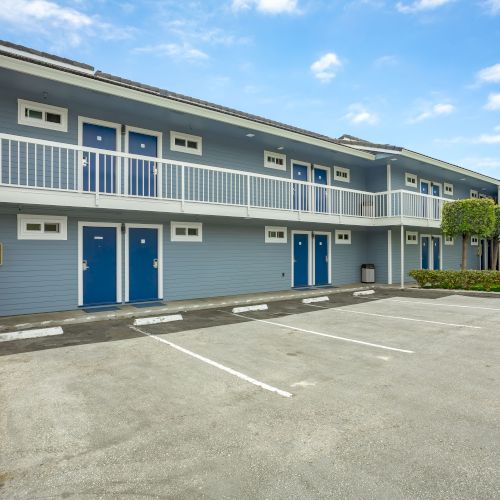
(257, 307)
(364, 292)
(31, 334)
(154, 320)
(309, 300)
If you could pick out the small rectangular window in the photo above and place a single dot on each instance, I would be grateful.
(186, 231)
(41, 227)
(474, 241)
(185, 143)
(341, 174)
(410, 180)
(274, 160)
(411, 238)
(36, 114)
(449, 240)
(343, 237)
(275, 234)
(448, 189)
(474, 193)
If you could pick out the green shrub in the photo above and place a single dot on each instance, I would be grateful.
(464, 280)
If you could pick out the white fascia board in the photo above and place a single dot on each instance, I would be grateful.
(448, 166)
(114, 88)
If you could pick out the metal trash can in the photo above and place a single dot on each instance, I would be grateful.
(368, 273)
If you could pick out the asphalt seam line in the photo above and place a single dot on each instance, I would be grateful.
(208, 361)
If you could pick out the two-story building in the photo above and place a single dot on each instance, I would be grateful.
(112, 191)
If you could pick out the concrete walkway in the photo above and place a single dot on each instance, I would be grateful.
(26, 321)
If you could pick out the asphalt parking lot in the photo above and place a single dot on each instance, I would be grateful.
(395, 395)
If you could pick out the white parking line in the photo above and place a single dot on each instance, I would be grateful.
(339, 309)
(445, 305)
(321, 334)
(31, 334)
(240, 375)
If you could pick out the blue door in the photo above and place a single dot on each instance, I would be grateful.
(142, 173)
(99, 265)
(299, 173)
(143, 264)
(320, 194)
(320, 259)
(436, 190)
(97, 136)
(300, 260)
(424, 187)
(425, 249)
(436, 253)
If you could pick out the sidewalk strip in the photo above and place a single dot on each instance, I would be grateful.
(31, 334)
(157, 319)
(257, 307)
(238, 374)
(321, 334)
(315, 299)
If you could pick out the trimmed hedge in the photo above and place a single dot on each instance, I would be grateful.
(464, 280)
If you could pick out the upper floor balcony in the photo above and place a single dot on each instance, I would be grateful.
(47, 173)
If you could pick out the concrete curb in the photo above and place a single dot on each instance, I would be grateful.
(65, 318)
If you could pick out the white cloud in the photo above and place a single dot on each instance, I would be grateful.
(489, 139)
(60, 23)
(359, 115)
(384, 61)
(174, 51)
(491, 74)
(493, 103)
(438, 109)
(420, 5)
(482, 163)
(267, 6)
(492, 6)
(324, 68)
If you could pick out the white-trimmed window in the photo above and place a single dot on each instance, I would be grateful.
(185, 143)
(474, 193)
(341, 174)
(474, 241)
(40, 115)
(186, 231)
(343, 236)
(448, 189)
(275, 234)
(42, 227)
(274, 160)
(411, 237)
(449, 240)
(410, 180)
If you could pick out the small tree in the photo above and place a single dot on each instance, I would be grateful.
(466, 218)
(495, 235)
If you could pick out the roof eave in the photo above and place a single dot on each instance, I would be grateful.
(98, 84)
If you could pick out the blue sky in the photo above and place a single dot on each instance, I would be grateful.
(424, 74)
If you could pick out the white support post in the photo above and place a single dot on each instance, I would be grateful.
(248, 194)
(389, 256)
(402, 257)
(389, 191)
(97, 173)
(182, 187)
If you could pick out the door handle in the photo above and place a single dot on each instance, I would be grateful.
(155, 263)
(85, 266)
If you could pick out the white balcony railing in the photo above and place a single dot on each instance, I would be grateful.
(39, 164)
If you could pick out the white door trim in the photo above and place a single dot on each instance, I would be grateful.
(329, 243)
(117, 225)
(309, 264)
(431, 250)
(159, 227)
(118, 146)
(440, 188)
(303, 164)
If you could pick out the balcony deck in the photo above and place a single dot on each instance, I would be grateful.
(57, 174)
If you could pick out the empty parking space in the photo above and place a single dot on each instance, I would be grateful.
(395, 395)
